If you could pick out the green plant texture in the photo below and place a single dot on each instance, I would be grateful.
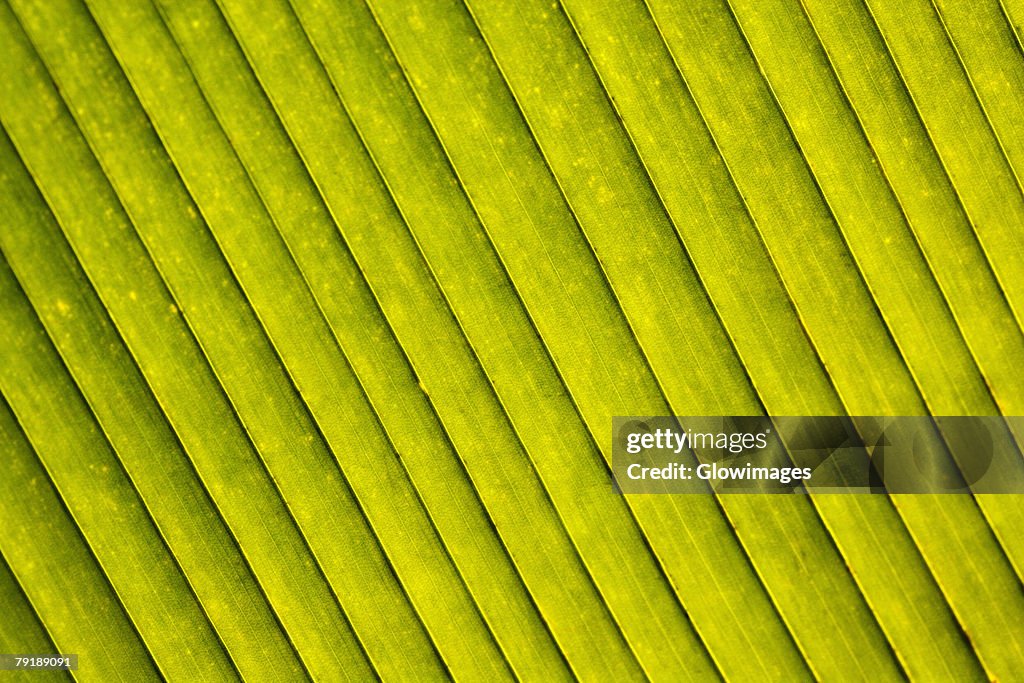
(314, 316)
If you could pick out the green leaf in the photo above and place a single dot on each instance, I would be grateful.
(21, 630)
(141, 436)
(314, 317)
(100, 498)
(63, 580)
